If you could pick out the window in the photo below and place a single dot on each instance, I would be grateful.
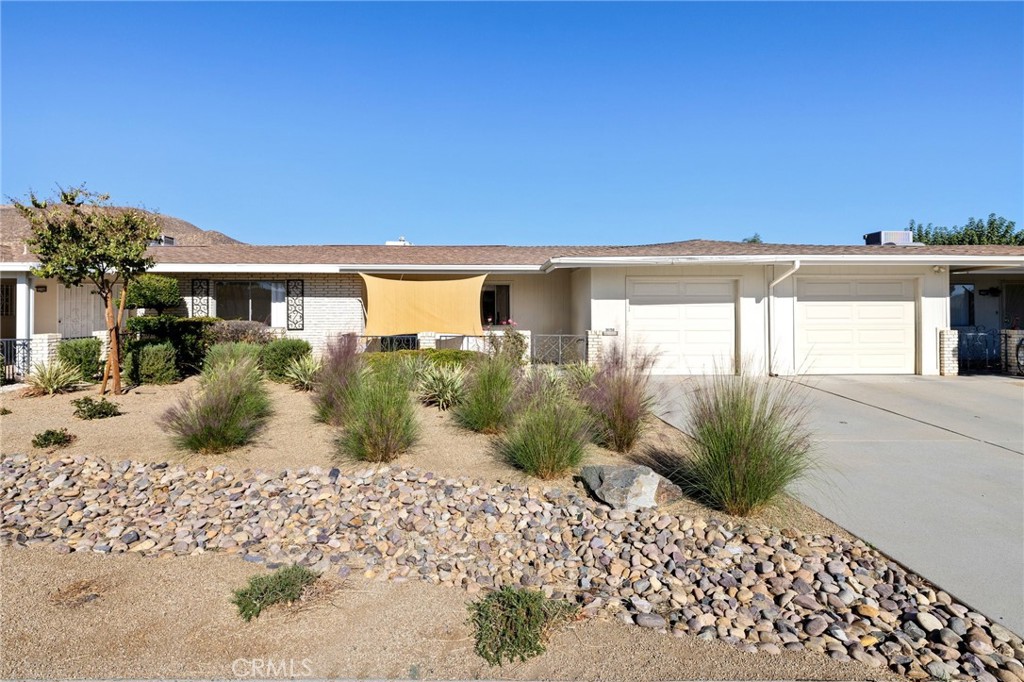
(6, 300)
(255, 301)
(494, 304)
(961, 305)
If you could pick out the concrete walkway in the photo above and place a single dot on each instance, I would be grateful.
(930, 470)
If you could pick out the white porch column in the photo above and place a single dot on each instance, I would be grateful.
(22, 307)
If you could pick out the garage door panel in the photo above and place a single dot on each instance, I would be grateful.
(689, 326)
(855, 327)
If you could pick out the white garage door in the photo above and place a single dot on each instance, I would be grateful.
(855, 326)
(690, 325)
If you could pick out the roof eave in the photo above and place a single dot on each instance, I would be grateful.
(335, 268)
(930, 259)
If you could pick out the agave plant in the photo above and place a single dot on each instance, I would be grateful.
(441, 385)
(56, 376)
(302, 372)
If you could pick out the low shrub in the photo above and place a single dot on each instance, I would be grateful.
(619, 399)
(748, 442)
(510, 344)
(341, 372)
(514, 623)
(190, 336)
(303, 372)
(549, 436)
(230, 408)
(87, 408)
(52, 377)
(441, 385)
(283, 586)
(83, 355)
(221, 353)
(53, 438)
(4, 410)
(151, 363)
(381, 422)
(486, 401)
(240, 331)
(277, 356)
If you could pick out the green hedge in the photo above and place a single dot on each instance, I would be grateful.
(152, 363)
(276, 356)
(83, 354)
(221, 353)
(437, 356)
(190, 336)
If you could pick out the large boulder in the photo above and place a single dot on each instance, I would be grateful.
(628, 486)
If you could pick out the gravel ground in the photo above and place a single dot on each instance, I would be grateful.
(172, 617)
(293, 440)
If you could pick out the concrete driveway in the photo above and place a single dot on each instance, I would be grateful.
(930, 470)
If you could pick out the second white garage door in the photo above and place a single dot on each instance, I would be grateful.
(689, 324)
(855, 326)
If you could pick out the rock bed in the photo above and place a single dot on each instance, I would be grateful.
(759, 590)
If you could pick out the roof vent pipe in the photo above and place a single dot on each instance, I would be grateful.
(771, 312)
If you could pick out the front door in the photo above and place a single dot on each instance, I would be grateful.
(81, 312)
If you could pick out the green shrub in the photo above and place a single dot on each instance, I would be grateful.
(151, 363)
(190, 336)
(83, 355)
(4, 410)
(53, 438)
(748, 442)
(441, 385)
(514, 623)
(276, 356)
(486, 401)
(510, 344)
(303, 372)
(230, 408)
(619, 399)
(220, 353)
(436, 356)
(87, 408)
(549, 436)
(241, 331)
(339, 377)
(52, 377)
(381, 422)
(284, 585)
(153, 291)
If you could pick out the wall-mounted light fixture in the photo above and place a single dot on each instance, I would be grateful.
(938, 268)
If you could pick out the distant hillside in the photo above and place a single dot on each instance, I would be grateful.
(14, 230)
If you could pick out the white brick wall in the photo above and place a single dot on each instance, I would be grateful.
(332, 303)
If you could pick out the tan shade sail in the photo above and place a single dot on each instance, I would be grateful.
(447, 306)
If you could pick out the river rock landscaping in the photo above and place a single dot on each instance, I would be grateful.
(757, 589)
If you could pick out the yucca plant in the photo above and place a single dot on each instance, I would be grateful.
(579, 375)
(748, 441)
(441, 385)
(302, 372)
(56, 376)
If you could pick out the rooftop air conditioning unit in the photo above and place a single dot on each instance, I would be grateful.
(894, 237)
(401, 241)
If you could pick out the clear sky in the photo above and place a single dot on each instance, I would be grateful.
(527, 123)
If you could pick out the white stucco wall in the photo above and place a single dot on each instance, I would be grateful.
(581, 300)
(540, 303)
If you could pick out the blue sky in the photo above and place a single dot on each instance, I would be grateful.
(523, 123)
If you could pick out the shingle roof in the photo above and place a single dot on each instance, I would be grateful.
(531, 255)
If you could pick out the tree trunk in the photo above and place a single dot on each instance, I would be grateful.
(116, 350)
(108, 307)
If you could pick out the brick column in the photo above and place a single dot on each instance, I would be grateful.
(594, 344)
(949, 352)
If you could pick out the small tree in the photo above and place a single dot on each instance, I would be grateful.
(154, 291)
(753, 239)
(995, 230)
(80, 237)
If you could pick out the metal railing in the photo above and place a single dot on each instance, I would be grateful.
(17, 358)
(978, 349)
(558, 349)
(384, 344)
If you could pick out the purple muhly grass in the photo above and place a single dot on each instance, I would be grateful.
(619, 399)
(341, 371)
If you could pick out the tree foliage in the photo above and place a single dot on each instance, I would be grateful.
(753, 239)
(154, 291)
(79, 237)
(995, 230)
